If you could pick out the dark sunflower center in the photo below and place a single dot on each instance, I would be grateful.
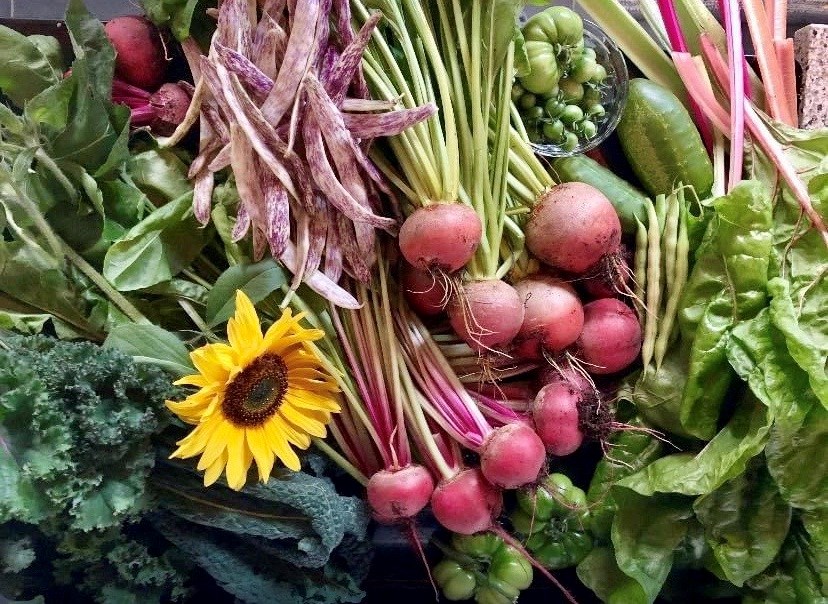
(256, 392)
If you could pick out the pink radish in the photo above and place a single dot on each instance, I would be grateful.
(556, 417)
(512, 456)
(466, 503)
(611, 278)
(139, 58)
(425, 291)
(553, 316)
(396, 495)
(486, 314)
(441, 236)
(567, 374)
(572, 227)
(170, 103)
(611, 338)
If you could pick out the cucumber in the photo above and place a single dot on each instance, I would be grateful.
(629, 202)
(661, 141)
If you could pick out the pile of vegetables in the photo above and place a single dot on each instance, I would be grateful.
(611, 364)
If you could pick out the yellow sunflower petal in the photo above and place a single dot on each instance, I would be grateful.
(280, 446)
(214, 361)
(294, 436)
(310, 400)
(301, 419)
(216, 468)
(217, 444)
(236, 470)
(192, 380)
(281, 346)
(261, 451)
(244, 331)
(195, 442)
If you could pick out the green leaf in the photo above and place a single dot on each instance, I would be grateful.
(727, 284)
(22, 322)
(599, 571)
(89, 41)
(257, 280)
(746, 522)
(723, 458)
(151, 344)
(28, 65)
(183, 17)
(645, 534)
(157, 248)
(795, 454)
(160, 174)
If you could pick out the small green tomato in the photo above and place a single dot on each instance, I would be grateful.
(572, 114)
(553, 131)
(527, 100)
(571, 91)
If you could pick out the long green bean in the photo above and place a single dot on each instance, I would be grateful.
(675, 201)
(653, 288)
(640, 268)
(682, 267)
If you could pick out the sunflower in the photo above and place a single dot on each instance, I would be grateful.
(260, 395)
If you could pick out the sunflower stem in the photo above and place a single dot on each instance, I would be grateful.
(339, 460)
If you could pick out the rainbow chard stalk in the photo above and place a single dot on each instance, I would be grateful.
(736, 63)
(678, 43)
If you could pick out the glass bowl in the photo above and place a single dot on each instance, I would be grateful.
(613, 95)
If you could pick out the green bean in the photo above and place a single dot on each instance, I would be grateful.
(682, 267)
(661, 210)
(653, 288)
(640, 267)
(675, 202)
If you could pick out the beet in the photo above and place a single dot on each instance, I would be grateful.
(140, 59)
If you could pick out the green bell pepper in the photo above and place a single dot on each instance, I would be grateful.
(554, 518)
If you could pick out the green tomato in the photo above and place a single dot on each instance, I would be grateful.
(571, 142)
(572, 114)
(496, 592)
(591, 96)
(583, 70)
(554, 107)
(480, 545)
(541, 27)
(517, 92)
(456, 582)
(543, 64)
(600, 74)
(571, 91)
(589, 130)
(510, 566)
(596, 111)
(589, 52)
(534, 136)
(553, 131)
(527, 100)
(568, 24)
(533, 113)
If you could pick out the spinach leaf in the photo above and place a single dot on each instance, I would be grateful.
(745, 522)
(257, 280)
(28, 64)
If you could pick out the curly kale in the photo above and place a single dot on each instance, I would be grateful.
(76, 423)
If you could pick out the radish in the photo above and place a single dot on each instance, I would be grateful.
(425, 291)
(553, 316)
(556, 414)
(139, 51)
(512, 456)
(611, 278)
(611, 338)
(486, 314)
(442, 236)
(162, 110)
(466, 503)
(572, 226)
(399, 494)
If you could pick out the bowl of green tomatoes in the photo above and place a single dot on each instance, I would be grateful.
(572, 88)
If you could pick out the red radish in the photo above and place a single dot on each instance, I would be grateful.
(140, 58)
(572, 227)
(556, 417)
(612, 278)
(466, 503)
(486, 314)
(396, 495)
(170, 103)
(425, 291)
(441, 236)
(162, 111)
(567, 374)
(512, 456)
(611, 338)
(553, 316)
